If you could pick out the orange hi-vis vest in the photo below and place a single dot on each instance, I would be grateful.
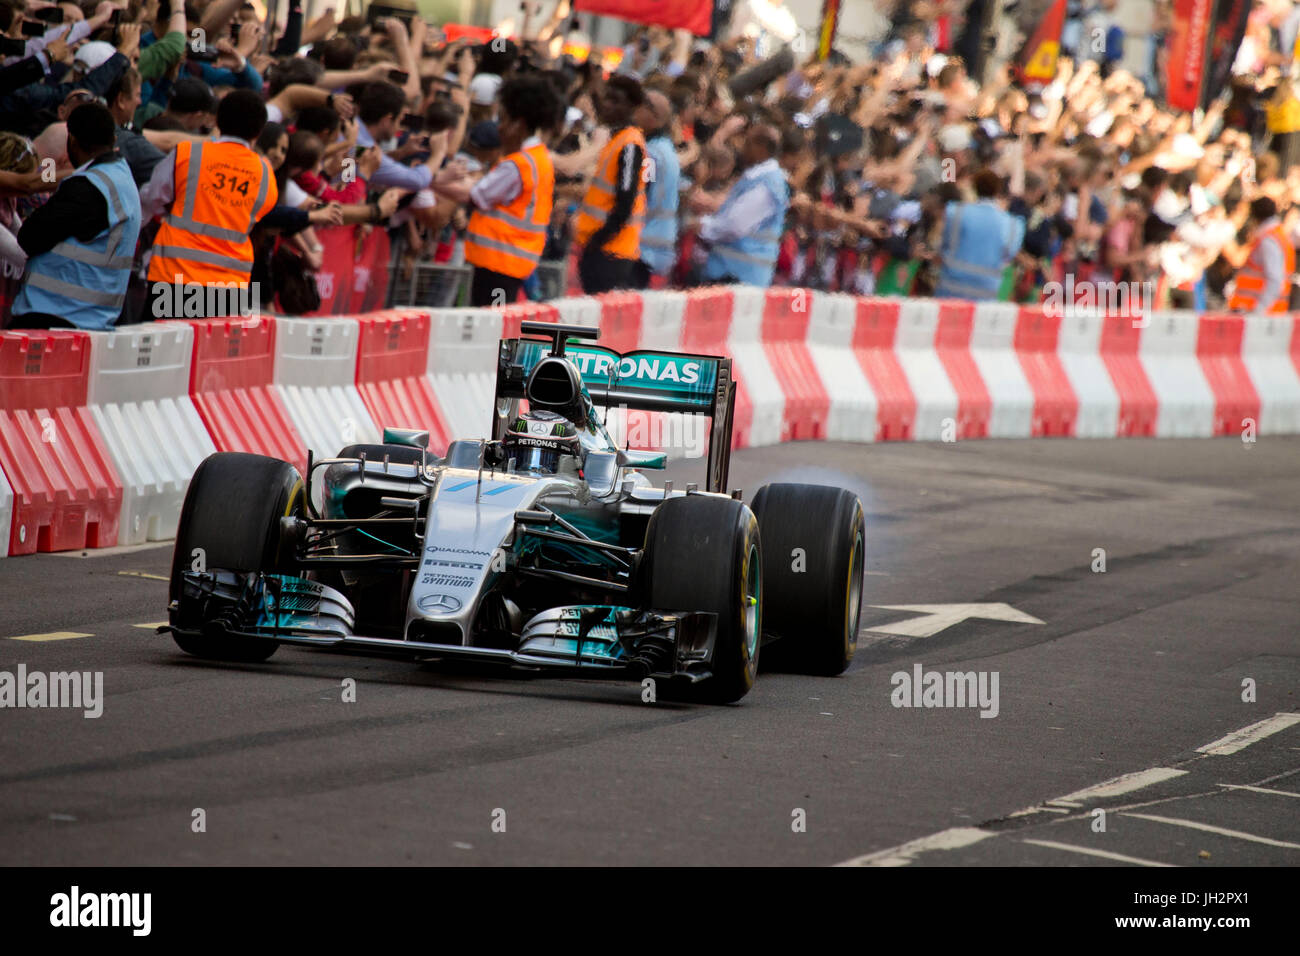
(599, 200)
(509, 239)
(1251, 278)
(221, 190)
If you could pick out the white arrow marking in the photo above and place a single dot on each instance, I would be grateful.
(939, 617)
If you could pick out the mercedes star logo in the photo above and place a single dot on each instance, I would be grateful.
(439, 603)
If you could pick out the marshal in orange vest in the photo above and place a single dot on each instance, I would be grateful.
(1251, 278)
(599, 200)
(509, 239)
(221, 190)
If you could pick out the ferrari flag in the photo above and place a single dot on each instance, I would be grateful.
(1036, 64)
(675, 14)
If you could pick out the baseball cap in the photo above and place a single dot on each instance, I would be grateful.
(485, 135)
(483, 89)
(93, 55)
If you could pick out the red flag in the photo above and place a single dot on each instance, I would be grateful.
(1036, 64)
(691, 15)
(1188, 38)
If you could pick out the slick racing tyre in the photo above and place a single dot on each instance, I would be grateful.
(813, 559)
(702, 554)
(231, 521)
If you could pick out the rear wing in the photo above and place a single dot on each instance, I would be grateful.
(644, 380)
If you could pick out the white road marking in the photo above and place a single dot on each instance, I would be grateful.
(1087, 851)
(1242, 786)
(939, 617)
(953, 839)
(1125, 783)
(1193, 825)
(51, 636)
(1241, 739)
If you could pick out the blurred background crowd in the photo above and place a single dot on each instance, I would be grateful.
(974, 148)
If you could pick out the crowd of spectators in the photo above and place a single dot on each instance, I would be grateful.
(879, 175)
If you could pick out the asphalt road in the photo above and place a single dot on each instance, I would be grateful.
(1137, 670)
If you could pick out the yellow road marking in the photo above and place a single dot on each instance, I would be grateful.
(52, 636)
(152, 627)
(144, 574)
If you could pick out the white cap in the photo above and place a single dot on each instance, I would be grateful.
(483, 89)
(94, 55)
(935, 64)
(572, 115)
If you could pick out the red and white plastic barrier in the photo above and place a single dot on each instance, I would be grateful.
(139, 396)
(315, 377)
(392, 373)
(231, 384)
(66, 492)
(100, 432)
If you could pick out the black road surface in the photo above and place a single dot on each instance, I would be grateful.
(1191, 634)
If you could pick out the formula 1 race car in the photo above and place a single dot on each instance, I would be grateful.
(541, 547)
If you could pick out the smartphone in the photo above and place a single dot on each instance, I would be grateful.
(377, 11)
(49, 14)
(234, 30)
(399, 77)
(115, 16)
(11, 46)
(34, 28)
(413, 122)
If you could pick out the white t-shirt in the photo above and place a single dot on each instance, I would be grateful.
(293, 195)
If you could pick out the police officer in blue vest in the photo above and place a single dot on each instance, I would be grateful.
(80, 244)
(744, 234)
(659, 234)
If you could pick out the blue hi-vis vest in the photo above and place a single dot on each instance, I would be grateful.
(85, 282)
(979, 241)
(659, 234)
(752, 258)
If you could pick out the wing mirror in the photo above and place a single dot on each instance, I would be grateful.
(411, 437)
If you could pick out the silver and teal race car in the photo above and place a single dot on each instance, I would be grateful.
(543, 546)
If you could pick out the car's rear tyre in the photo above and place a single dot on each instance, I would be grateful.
(231, 521)
(814, 546)
(702, 554)
(397, 454)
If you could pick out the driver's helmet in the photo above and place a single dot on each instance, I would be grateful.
(536, 440)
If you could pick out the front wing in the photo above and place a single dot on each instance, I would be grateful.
(576, 641)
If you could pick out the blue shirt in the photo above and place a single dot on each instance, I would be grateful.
(392, 173)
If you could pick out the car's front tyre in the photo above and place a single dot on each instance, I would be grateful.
(702, 553)
(231, 521)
